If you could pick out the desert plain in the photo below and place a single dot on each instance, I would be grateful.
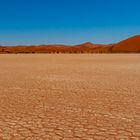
(70, 96)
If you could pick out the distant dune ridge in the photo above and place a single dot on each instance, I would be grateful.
(130, 45)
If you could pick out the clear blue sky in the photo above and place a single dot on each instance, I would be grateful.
(67, 21)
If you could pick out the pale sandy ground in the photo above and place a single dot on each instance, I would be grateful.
(70, 96)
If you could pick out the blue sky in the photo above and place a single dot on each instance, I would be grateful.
(67, 21)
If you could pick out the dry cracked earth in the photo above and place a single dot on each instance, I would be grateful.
(70, 97)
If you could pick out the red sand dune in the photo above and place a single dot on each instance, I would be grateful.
(82, 48)
(90, 45)
(129, 45)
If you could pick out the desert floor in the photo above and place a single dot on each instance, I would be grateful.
(70, 96)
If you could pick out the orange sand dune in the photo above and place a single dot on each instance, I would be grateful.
(82, 48)
(129, 45)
